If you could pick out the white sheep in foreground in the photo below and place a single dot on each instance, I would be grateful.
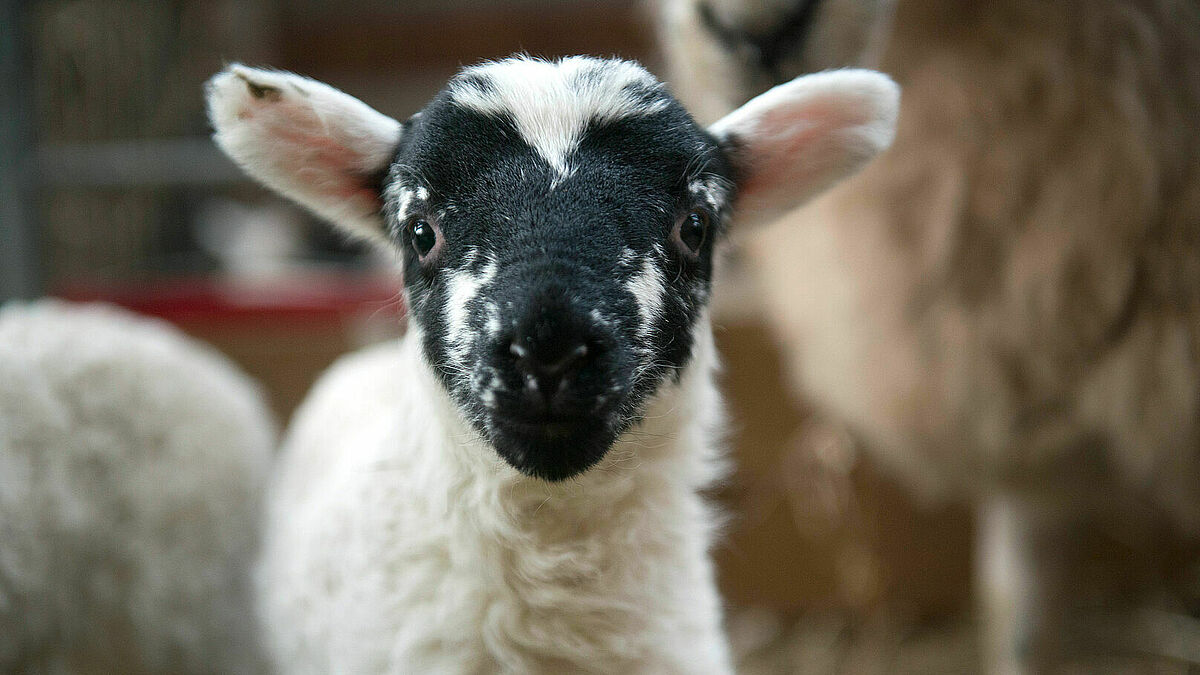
(1006, 305)
(514, 486)
(132, 463)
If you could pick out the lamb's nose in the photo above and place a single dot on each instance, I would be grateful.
(548, 364)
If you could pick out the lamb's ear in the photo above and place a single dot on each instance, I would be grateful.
(308, 141)
(800, 138)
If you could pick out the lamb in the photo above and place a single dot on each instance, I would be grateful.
(132, 461)
(515, 485)
(1005, 307)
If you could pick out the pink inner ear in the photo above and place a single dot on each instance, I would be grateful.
(792, 147)
(333, 167)
(782, 159)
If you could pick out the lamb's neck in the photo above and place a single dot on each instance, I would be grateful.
(613, 562)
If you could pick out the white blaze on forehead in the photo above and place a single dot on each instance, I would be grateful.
(552, 103)
(648, 288)
(464, 286)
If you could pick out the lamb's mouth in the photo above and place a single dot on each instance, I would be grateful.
(546, 429)
(553, 449)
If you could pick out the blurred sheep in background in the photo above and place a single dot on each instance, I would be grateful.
(131, 465)
(1004, 308)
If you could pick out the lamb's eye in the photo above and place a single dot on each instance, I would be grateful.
(691, 231)
(424, 237)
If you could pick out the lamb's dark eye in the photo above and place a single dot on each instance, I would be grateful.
(691, 232)
(424, 237)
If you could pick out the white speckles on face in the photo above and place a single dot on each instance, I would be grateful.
(405, 199)
(700, 192)
(551, 103)
(493, 325)
(711, 191)
(647, 288)
(598, 317)
(486, 382)
(464, 286)
(400, 196)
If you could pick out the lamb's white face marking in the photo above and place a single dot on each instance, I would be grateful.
(711, 192)
(648, 288)
(407, 197)
(485, 383)
(598, 316)
(487, 396)
(552, 104)
(396, 193)
(464, 286)
(493, 325)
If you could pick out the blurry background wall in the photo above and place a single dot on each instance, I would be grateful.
(113, 101)
(113, 191)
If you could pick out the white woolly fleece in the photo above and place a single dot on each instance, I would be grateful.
(398, 542)
(131, 464)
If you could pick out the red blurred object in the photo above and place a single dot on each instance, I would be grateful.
(309, 297)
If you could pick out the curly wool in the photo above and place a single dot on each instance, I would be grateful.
(131, 464)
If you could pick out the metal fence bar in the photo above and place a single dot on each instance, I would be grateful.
(178, 162)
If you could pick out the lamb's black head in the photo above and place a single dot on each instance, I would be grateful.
(555, 220)
(557, 223)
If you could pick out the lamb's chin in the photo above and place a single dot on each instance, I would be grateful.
(552, 451)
